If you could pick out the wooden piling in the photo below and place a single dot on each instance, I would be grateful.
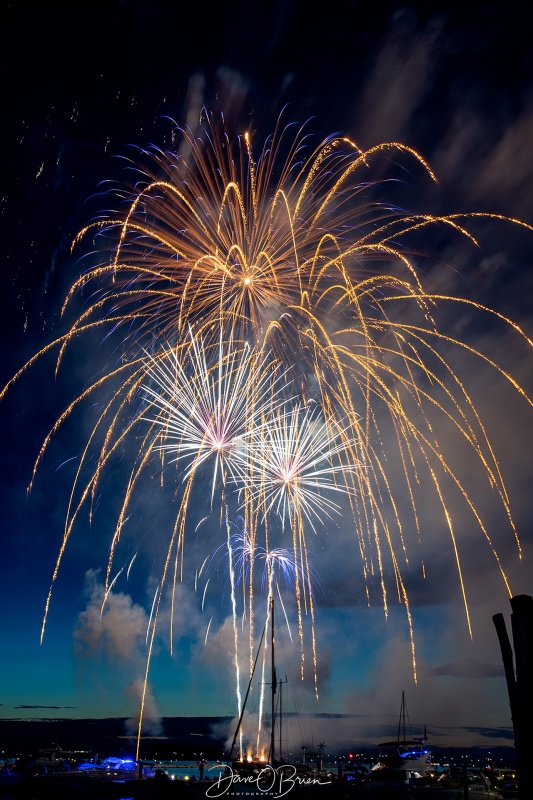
(519, 678)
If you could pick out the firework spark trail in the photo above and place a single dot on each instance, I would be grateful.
(235, 629)
(240, 556)
(256, 283)
(291, 466)
(260, 713)
(271, 559)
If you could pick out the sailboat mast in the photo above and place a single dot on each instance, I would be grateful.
(401, 720)
(280, 716)
(273, 694)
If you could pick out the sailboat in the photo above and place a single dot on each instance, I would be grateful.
(272, 757)
(404, 770)
(271, 775)
(402, 760)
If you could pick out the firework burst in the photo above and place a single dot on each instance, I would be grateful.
(299, 289)
(294, 464)
(210, 409)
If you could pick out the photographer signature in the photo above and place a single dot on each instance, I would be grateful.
(269, 780)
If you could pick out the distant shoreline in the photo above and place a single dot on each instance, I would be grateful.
(179, 737)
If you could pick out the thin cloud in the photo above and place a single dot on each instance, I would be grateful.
(54, 707)
(493, 733)
(469, 668)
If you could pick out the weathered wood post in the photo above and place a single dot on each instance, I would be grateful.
(519, 677)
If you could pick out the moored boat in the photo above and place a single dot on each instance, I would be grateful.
(402, 761)
(456, 785)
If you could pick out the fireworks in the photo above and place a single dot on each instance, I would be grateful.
(290, 465)
(270, 322)
(212, 409)
(241, 556)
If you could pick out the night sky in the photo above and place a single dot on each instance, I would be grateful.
(84, 86)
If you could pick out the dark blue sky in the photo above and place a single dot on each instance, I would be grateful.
(82, 85)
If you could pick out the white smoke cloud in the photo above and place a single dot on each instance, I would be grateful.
(115, 628)
(112, 635)
(152, 723)
(400, 78)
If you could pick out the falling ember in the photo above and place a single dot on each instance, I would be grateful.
(244, 289)
(235, 629)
